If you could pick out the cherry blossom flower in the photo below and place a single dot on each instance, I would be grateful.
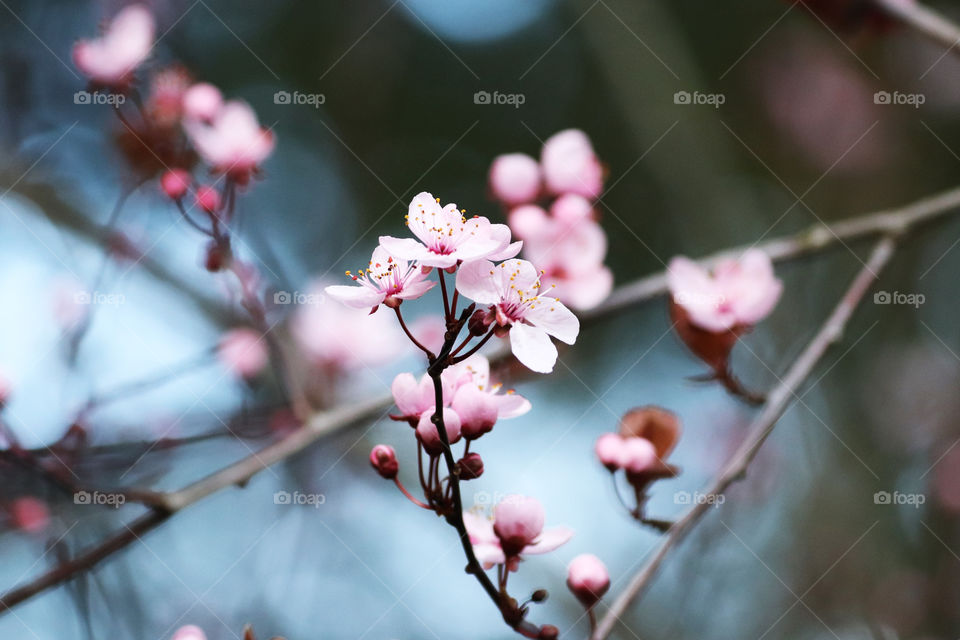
(513, 290)
(570, 165)
(29, 514)
(739, 293)
(446, 237)
(588, 579)
(175, 183)
(429, 436)
(202, 101)
(515, 178)
(414, 398)
(126, 42)
(478, 403)
(384, 459)
(515, 530)
(233, 142)
(244, 352)
(387, 280)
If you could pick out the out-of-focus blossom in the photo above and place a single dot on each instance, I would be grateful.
(515, 178)
(126, 42)
(164, 105)
(588, 579)
(29, 514)
(430, 331)
(207, 198)
(202, 101)
(515, 530)
(384, 459)
(338, 339)
(446, 237)
(646, 436)
(244, 352)
(739, 292)
(570, 165)
(387, 280)
(513, 290)
(175, 183)
(189, 632)
(232, 142)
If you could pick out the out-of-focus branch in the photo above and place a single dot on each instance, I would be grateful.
(777, 403)
(924, 20)
(819, 237)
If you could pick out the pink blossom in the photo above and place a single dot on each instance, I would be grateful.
(430, 331)
(207, 198)
(233, 142)
(570, 165)
(528, 221)
(387, 280)
(29, 514)
(571, 209)
(638, 455)
(571, 257)
(515, 178)
(513, 288)
(740, 292)
(609, 450)
(446, 237)
(189, 632)
(125, 43)
(478, 403)
(588, 578)
(428, 434)
(202, 101)
(516, 530)
(384, 459)
(414, 397)
(175, 183)
(244, 352)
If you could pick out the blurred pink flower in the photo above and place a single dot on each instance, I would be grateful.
(446, 237)
(738, 293)
(570, 165)
(244, 352)
(587, 578)
(571, 256)
(29, 514)
(513, 288)
(202, 101)
(515, 178)
(175, 183)
(233, 142)
(189, 632)
(634, 454)
(430, 331)
(125, 43)
(387, 280)
(516, 530)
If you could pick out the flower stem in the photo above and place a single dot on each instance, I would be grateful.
(403, 325)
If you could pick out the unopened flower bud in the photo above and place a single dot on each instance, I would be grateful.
(609, 450)
(588, 579)
(216, 257)
(208, 198)
(384, 459)
(175, 183)
(549, 632)
(471, 466)
(540, 595)
(480, 322)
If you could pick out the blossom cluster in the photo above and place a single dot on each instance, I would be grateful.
(550, 208)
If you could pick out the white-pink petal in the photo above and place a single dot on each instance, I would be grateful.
(533, 348)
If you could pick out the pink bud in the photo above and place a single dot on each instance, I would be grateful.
(430, 437)
(189, 632)
(515, 178)
(571, 209)
(175, 183)
(384, 459)
(517, 521)
(609, 449)
(639, 455)
(528, 221)
(244, 352)
(477, 411)
(588, 579)
(208, 198)
(570, 165)
(202, 101)
(29, 514)
(471, 466)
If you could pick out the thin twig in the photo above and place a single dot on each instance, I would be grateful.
(779, 399)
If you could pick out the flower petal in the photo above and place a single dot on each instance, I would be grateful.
(477, 281)
(511, 405)
(532, 347)
(552, 316)
(549, 540)
(407, 394)
(403, 248)
(357, 297)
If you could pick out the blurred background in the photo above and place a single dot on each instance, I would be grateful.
(800, 548)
